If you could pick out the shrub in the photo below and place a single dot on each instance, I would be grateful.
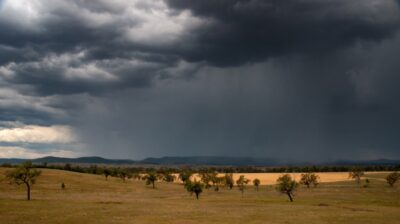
(392, 178)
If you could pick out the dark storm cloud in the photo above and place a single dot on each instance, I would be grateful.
(243, 31)
(272, 78)
(295, 108)
(230, 33)
(70, 35)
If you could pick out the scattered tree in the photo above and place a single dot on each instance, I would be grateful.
(309, 179)
(62, 186)
(68, 167)
(107, 172)
(286, 185)
(206, 177)
(124, 174)
(194, 187)
(392, 178)
(210, 179)
(24, 174)
(241, 183)
(256, 183)
(216, 181)
(151, 178)
(356, 173)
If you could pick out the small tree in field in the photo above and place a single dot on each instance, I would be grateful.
(216, 181)
(194, 187)
(241, 183)
(124, 174)
(392, 178)
(286, 185)
(206, 177)
(356, 173)
(24, 174)
(256, 183)
(151, 179)
(309, 179)
(107, 172)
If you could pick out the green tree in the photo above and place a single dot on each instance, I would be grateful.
(241, 183)
(215, 180)
(356, 173)
(206, 178)
(256, 183)
(151, 178)
(210, 179)
(194, 187)
(309, 179)
(123, 174)
(24, 174)
(107, 172)
(286, 185)
(392, 178)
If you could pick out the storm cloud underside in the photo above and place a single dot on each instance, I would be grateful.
(291, 79)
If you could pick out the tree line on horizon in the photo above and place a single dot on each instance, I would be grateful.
(95, 169)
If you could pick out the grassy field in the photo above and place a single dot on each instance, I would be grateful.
(91, 199)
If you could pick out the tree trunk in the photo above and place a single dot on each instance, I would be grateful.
(154, 185)
(28, 191)
(197, 195)
(290, 197)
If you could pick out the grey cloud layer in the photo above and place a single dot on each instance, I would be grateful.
(179, 77)
(240, 31)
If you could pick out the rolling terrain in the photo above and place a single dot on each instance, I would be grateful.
(91, 199)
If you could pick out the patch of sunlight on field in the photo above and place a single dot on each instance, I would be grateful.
(270, 178)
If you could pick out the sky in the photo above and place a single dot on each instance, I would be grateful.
(310, 80)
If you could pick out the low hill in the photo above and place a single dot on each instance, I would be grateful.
(51, 159)
(200, 160)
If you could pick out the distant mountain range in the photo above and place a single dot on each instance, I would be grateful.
(197, 160)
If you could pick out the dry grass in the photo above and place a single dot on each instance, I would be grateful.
(91, 199)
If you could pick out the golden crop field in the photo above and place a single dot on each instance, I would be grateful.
(270, 178)
(91, 199)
